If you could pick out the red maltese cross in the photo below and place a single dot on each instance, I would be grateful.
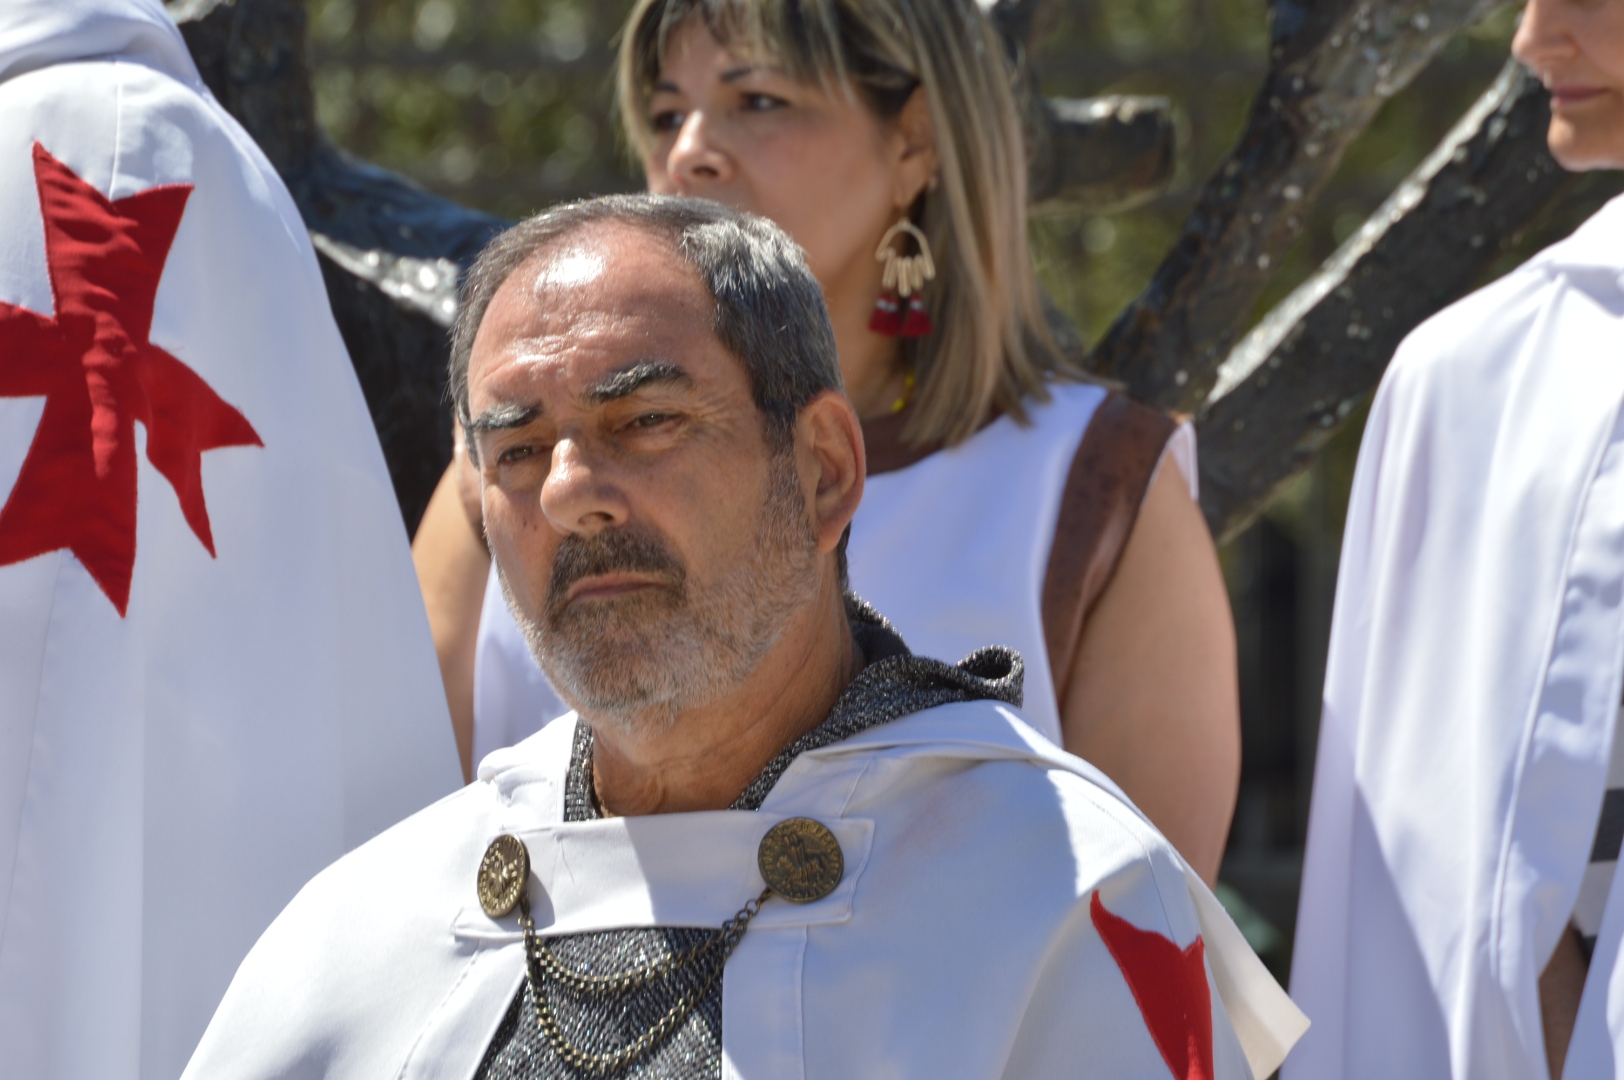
(1170, 986)
(99, 374)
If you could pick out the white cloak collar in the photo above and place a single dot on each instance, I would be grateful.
(794, 992)
(685, 869)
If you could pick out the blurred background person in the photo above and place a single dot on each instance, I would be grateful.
(883, 136)
(215, 672)
(1460, 916)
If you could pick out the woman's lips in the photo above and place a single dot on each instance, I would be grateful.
(1574, 95)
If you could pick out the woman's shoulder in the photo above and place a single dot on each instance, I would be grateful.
(1117, 422)
(1113, 438)
(1071, 411)
(1068, 412)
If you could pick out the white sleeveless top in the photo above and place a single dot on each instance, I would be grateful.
(952, 549)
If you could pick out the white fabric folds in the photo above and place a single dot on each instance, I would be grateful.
(173, 771)
(1473, 682)
(959, 944)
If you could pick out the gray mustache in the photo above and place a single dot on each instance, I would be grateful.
(624, 550)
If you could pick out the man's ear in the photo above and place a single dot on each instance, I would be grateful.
(829, 442)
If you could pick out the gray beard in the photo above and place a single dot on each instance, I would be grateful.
(636, 662)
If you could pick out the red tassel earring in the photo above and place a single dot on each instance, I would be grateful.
(887, 317)
(900, 310)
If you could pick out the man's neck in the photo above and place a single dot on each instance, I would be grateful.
(708, 755)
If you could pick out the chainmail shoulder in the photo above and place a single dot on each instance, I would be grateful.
(894, 683)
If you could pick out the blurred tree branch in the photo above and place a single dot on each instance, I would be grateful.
(1333, 63)
(1285, 389)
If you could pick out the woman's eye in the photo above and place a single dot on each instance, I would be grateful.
(667, 120)
(762, 103)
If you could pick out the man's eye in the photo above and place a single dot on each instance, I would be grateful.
(652, 420)
(667, 120)
(515, 454)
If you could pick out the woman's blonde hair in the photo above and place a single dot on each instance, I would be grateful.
(991, 351)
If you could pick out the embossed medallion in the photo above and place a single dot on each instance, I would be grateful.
(800, 859)
(503, 874)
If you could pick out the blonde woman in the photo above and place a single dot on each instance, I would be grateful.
(1010, 500)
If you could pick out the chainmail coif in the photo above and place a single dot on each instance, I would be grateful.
(895, 683)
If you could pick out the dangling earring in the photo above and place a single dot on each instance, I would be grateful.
(900, 310)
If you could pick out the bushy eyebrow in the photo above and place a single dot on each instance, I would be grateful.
(503, 418)
(629, 380)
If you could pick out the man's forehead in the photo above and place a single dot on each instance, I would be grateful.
(594, 283)
(609, 262)
(589, 305)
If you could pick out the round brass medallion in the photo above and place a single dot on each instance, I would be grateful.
(503, 874)
(800, 859)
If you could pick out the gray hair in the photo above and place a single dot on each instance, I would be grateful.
(769, 309)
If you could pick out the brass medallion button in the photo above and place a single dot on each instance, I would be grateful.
(800, 860)
(503, 874)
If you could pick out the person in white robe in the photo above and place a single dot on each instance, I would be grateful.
(215, 670)
(769, 841)
(1463, 841)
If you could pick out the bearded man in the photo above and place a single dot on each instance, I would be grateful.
(892, 871)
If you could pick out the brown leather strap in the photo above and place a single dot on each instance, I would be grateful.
(1107, 484)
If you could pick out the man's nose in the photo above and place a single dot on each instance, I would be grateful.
(1544, 36)
(697, 160)
(578, 495)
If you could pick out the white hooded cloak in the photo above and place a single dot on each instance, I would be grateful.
(187, 735)
(961, 943)
(1472, 689)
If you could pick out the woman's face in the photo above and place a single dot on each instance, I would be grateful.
(819, 164)
(1576, 48)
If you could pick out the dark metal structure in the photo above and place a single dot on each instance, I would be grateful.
(390, 252)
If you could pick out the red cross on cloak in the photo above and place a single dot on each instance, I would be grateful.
(1169, 985)
(99, 374)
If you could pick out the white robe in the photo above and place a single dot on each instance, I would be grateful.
(1474, 677)
(958, 945)
(172, 773)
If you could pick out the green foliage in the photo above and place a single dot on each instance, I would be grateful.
(500, 104)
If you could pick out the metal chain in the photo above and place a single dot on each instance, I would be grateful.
(631, 980)
(539, 959)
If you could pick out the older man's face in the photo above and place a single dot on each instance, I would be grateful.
(650, 544)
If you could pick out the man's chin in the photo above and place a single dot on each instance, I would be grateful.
(621, 669)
